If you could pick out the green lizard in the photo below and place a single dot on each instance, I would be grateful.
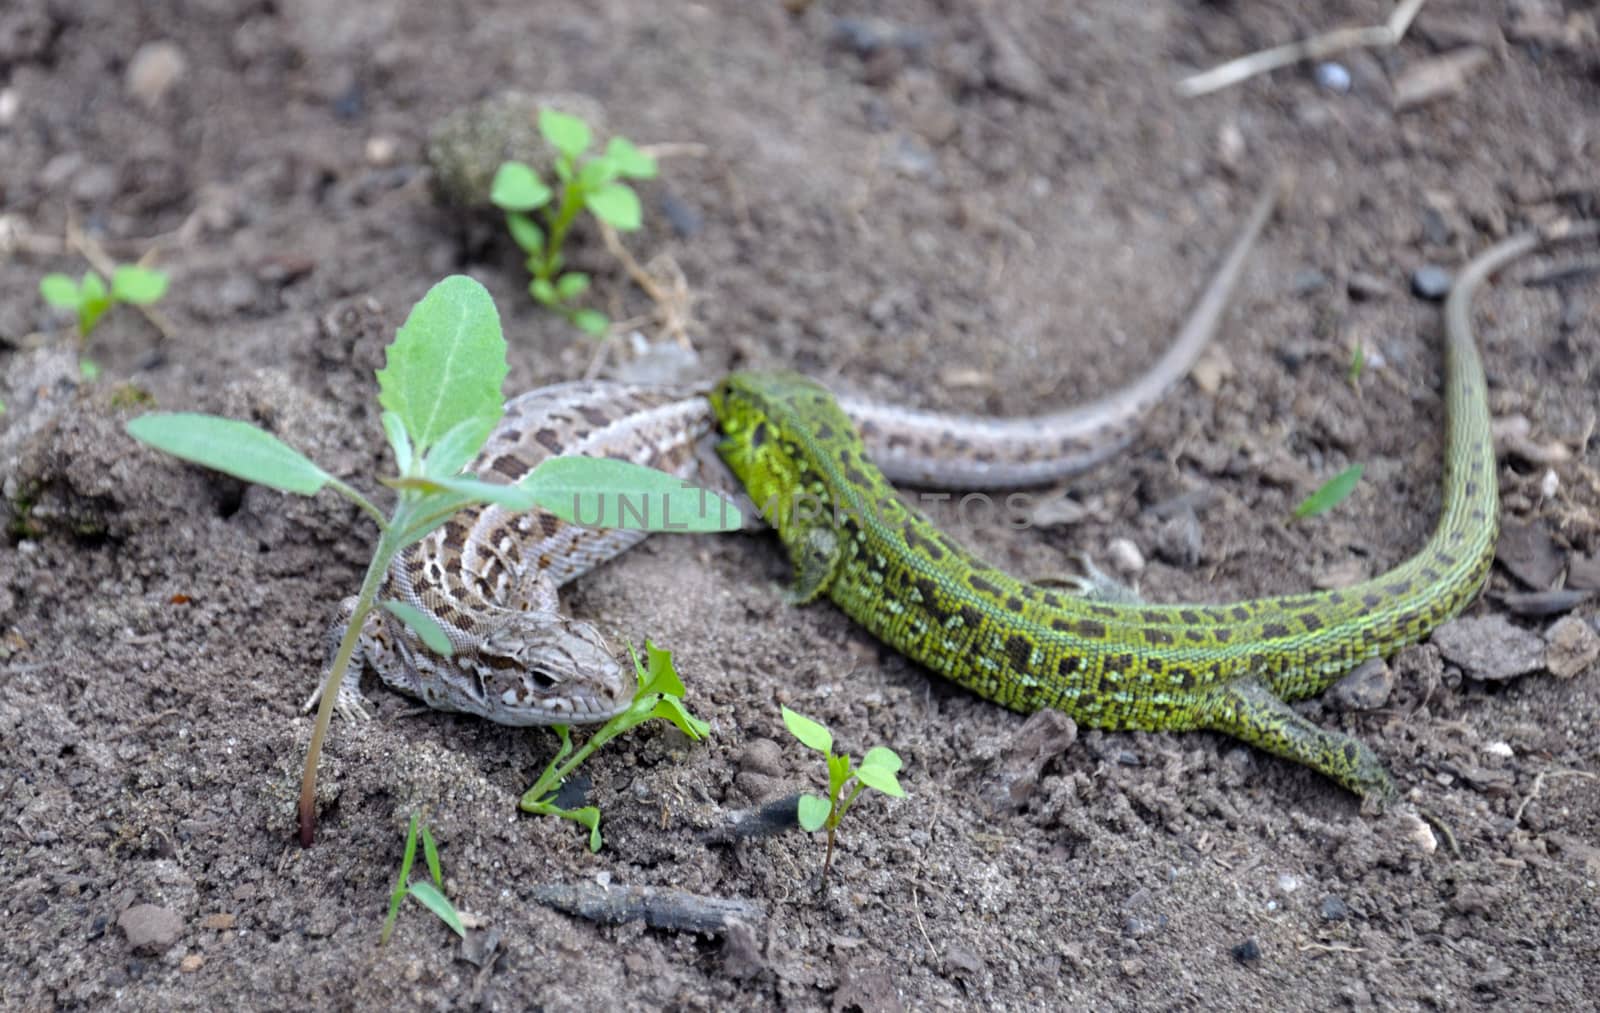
(1228, 668)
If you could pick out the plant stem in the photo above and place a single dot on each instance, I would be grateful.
(571, 204)
(388, 545)
(361, 501)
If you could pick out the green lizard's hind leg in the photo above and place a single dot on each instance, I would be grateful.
(1094, 584)
(1248, 711)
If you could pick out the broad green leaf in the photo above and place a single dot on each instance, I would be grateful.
(517, 187)
(439, 904)
(399, 442)
(629, 160)
(567, 134)
(591, 322)
(447, 362)
(138, 285)
(812, 812)
(232, 447)
(423, 625)
(431, 852)
(571, 285)
(457, 447)
(882, 756)
(59, 291)
(670, 708)
(543, 291)
(93, 288)
(525, 232)
(660, 676)
(1331, 493)
(617, 205)
(596, 173)
(512, 497)
(882, 779)
(604, 493)
(809, 732)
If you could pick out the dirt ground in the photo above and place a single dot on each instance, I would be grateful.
(992, 207)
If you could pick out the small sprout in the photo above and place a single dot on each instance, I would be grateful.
(659, 695)
(440, 394)
(1358, 360)
(1330, 494)
(878, 770)
(430, 895)
(594, 184)
(91, 299)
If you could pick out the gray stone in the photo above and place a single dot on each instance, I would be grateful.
(150, 929)
(1490, 648)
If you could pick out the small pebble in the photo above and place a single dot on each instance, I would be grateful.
(150, 929)
(1431, 282)
(1247, 952)
(1125, 556)
(686, 222)
(1308, 280)
(193, 962)
(1550, 484)
(381, 151)
(1500, 749)
(1332, 76)
(1364, 689)
(1419, 833)
(1572, 645)
(1334, 909)
(10, 105)
(1363, 286)
(153, 71)
(1543, 604)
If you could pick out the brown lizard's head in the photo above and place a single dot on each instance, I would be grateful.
(543, 669)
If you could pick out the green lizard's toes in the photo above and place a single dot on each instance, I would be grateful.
(1093, 584)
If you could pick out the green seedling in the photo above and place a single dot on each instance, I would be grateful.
(1358, 362)
(429, 895)
(1330, 494)
(877, 770)
(440, 395)
(91, 298)
(659, 695)
(594, 184)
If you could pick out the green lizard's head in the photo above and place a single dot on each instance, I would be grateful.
(766, 418)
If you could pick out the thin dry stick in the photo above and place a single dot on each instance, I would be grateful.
(1317, 47)
(1538, 784)
(673, 298)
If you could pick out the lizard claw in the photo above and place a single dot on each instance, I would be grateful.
(350, 705)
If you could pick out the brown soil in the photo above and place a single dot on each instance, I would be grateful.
(998, 208)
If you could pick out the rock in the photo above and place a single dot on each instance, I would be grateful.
(1513, 437)
(1364, 689)
(1437, 77)
(1178, 540)
(1334, 909)
(1530, 553)
(1584, 572)
(1332, 76)
(153, 71)
(1571, 645)
(1125, 556)
(1543, 604)
(150, 929)
(1247, 952)
(1043, 737)
(1364, 287)
(192, 963)
(1431, 282)
(1489, 648)
(762, 756)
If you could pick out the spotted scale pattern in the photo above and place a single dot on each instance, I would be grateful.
(1177, 667)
